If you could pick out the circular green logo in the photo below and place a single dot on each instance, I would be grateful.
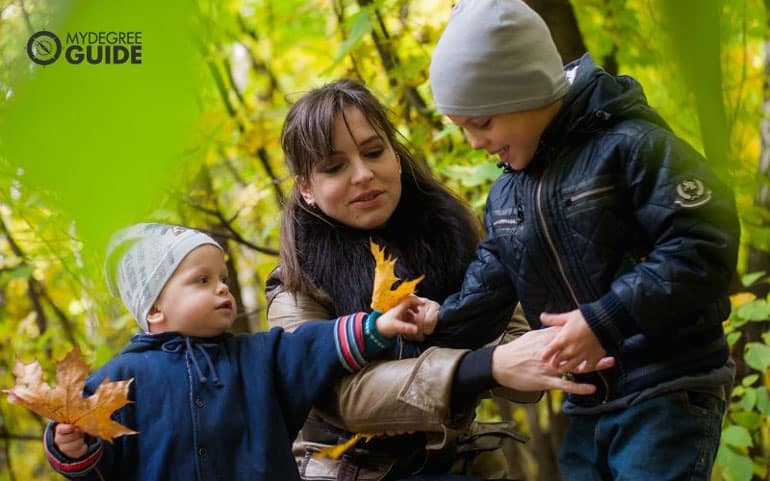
(44, 47)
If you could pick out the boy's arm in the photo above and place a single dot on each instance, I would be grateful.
(690, 218)
(480, 312)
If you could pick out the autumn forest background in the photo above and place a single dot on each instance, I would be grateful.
(191, 136)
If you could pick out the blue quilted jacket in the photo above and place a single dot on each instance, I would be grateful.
(615, 216)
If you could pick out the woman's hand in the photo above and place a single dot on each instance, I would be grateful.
(518, 365)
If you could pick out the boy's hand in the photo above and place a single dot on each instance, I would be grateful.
(575, 348)
(69, 440)
(518, 365)
(425, 316)
(401, 319)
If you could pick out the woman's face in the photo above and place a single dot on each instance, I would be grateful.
(359, 183)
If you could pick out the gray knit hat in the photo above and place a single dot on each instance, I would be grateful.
(142, 258)
(494, 57)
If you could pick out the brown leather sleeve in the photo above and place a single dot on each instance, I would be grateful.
(290, 311)
(403, 395)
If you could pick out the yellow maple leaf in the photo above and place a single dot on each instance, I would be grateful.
(334, 452)
(65, 403)
(383, 297)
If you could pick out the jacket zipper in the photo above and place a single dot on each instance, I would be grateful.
(549, 240)
(555, 253)
(588, 193)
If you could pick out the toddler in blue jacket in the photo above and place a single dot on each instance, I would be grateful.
(207, 404)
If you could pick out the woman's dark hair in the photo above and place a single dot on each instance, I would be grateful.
(431, 231)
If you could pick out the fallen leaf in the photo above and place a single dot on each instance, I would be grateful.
(334, 452)
(65, 403)
(383, 297)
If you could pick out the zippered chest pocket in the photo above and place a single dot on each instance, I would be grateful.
(507, 221)
(509, 230)
(595, 212)
(590, 198)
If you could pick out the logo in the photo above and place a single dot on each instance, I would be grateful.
(692, 193)
(94, 48)
(44, 47)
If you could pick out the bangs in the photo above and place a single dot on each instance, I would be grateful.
(308, 131)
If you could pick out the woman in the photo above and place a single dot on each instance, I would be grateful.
(355, 181)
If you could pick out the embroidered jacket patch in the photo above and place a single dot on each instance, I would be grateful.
(692, 193)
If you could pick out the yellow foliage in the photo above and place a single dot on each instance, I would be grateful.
(737, 300)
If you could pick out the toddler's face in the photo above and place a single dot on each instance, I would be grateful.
(513, 136)
(196, 300)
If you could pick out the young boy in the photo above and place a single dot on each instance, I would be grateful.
(603, 222)
(207, 404)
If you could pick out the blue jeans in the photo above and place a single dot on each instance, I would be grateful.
(671, 437)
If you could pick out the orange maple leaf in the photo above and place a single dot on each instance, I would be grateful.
(383, 297)
(65, 403)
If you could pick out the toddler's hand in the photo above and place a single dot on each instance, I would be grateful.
(401, 319)
(425, 317)
(575, 348)
(69, 440)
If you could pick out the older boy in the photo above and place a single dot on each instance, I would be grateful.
(603, 222)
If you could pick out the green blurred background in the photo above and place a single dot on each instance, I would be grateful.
(190, 136)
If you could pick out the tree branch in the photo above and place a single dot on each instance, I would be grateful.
(25, 14)
(36, 291)
(258, 65)
(17, 437)
(232, 233)
(261, 153)
(390, 61)
(32, 284)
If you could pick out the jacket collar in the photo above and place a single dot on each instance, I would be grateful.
(193, 348)
(595, 100)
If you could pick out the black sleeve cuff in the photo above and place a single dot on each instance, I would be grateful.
(472, 378)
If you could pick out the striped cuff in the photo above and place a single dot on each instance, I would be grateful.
(349, 340)
(71, 468)
(357, 339)
(375, 342)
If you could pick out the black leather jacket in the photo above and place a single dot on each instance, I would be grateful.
(615, 216)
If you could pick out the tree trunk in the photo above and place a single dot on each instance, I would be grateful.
(560, 18)
(690, 25)
(542, 446)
